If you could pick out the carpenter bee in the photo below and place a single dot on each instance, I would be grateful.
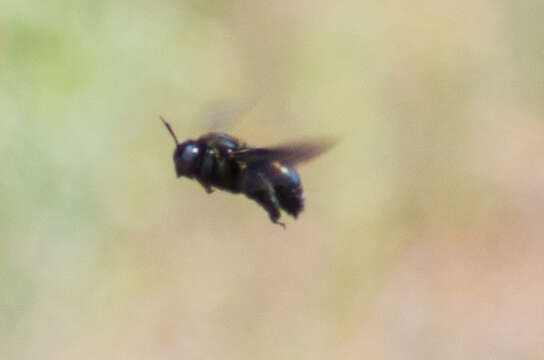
(266, 175)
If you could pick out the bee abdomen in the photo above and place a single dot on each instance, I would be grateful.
(290, 198)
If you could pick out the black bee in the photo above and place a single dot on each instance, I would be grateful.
(266, 175)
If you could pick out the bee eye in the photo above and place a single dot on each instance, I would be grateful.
(189, 155)
(190, 152)
(186, 158)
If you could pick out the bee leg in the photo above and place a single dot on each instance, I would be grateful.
(268, 202)
(206, 186)
(265, 195)
(257, 187)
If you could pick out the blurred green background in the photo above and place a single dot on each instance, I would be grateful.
(422, 237)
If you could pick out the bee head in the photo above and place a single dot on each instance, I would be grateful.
(185, 154)
(186, 158)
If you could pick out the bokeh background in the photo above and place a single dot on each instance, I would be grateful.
(423, 233)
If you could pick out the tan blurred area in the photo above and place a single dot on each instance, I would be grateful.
(422, 234)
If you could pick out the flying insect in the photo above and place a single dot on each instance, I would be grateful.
(264, 174)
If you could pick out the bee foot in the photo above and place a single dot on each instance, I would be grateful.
(206, 187)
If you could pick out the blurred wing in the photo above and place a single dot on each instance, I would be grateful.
(290, 154)
(221, 116)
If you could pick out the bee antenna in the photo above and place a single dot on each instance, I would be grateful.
(170, 129)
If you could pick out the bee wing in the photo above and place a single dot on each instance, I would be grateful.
(223, 115)
(290, 153)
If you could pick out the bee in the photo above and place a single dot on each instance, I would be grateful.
(266, 175)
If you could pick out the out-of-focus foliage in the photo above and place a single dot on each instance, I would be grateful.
(422, 236)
